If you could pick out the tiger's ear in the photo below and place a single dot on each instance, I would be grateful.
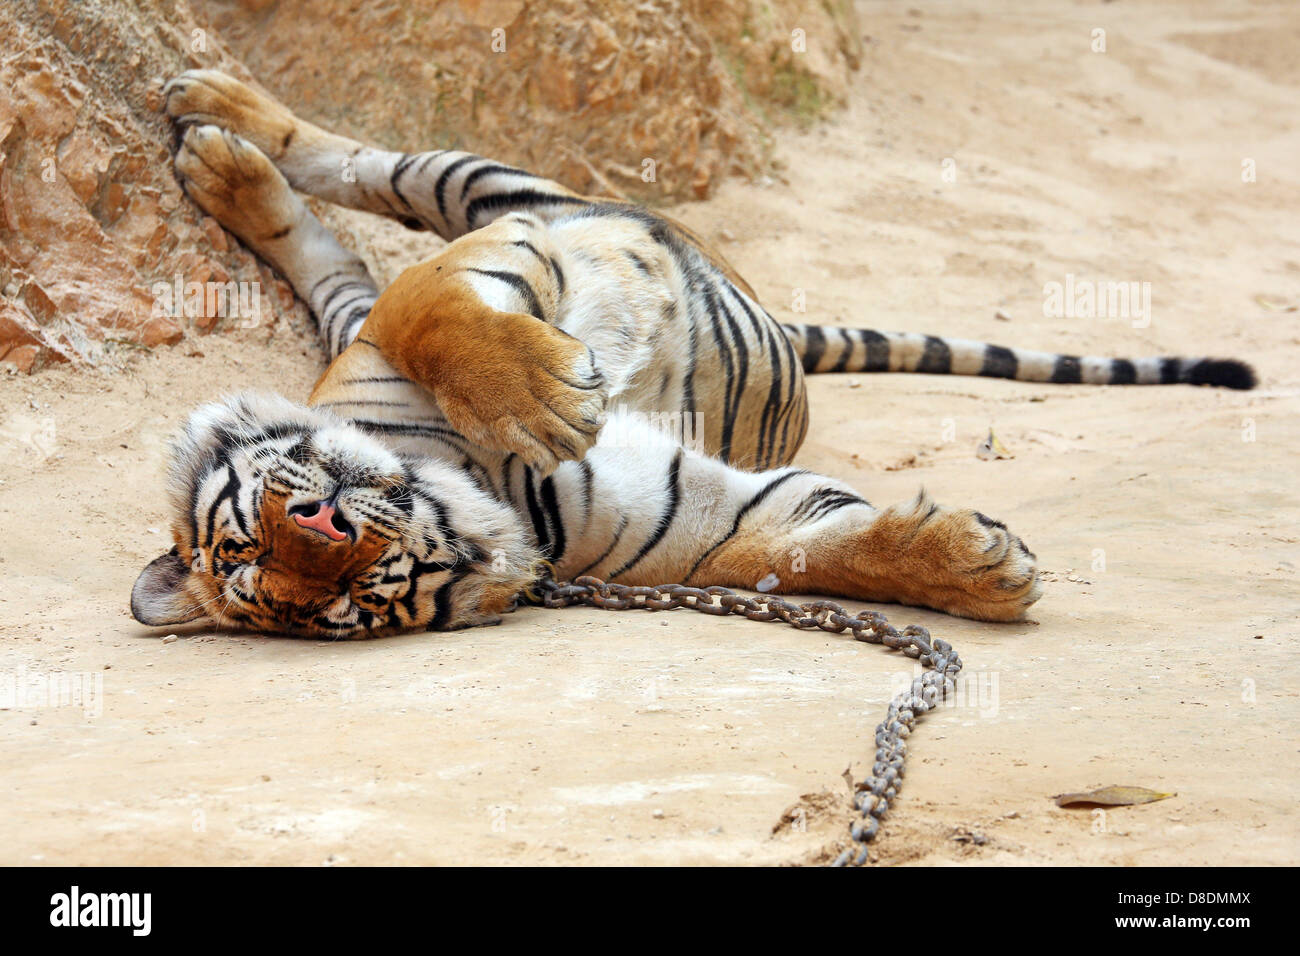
(159, 596)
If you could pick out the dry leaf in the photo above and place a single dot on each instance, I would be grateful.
(1274, 304)
(1112, 797)
(990, 448)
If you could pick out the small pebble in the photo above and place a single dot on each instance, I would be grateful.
(169, 638)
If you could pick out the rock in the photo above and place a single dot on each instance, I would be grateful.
(21, 357)
(91, 218)
(90, 214)
(160, 331)
(215, 234)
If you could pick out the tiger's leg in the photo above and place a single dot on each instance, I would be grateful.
(647, 511)
(472, 325)
(239, 187)
(448, 191)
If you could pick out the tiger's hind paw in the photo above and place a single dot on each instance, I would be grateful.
(234, 182)
(958, 561)
(210, 97)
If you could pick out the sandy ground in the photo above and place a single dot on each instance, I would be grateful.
(1161, 654)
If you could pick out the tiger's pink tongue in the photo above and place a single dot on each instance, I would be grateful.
(322, 521)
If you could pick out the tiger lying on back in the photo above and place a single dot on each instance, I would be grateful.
(484, 420)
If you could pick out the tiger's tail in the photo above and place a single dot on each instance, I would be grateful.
(832, 349)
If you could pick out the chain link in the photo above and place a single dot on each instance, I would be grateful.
(872, 796)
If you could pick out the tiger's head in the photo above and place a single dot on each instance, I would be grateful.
(289, 519)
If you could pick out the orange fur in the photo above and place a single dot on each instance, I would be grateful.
(498, 377)
(915, 554)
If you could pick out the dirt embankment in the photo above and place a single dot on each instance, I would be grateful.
(659, 100)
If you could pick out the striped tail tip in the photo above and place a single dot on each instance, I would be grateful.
(1224, 373)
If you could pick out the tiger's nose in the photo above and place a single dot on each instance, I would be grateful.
(323, 517)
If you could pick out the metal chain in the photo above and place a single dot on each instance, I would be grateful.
(873, 795)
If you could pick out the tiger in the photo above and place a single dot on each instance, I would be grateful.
(502, 413)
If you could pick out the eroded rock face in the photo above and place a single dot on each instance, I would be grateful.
(91, 219)
(101, 254)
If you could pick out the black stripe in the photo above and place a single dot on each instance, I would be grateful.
(482, 171)
(772, 410)
(674, 499)
(736, 374)
(1067, 370)
(521, 197)
(936, 359)
(405, 428)
(692, 358)
(823, 501)
(618, 536)
(552, 507)
(525, 244)
(535, 513)
(877, 359)
(442, 601)
(383, 403)
(327, 305)
(637, 261)
(1169, 371)
(323, 279)
(791, 403)
(440, 188)
(814, 348)
(843, 362)
(815, 496)
(834, 503)
(750, 505)
(588, 479)
(559, 274)
(376, 380)
(520, 285)
(400, 167)
(354, 318)
(1122, 372)
(229, 492)
(999, 362)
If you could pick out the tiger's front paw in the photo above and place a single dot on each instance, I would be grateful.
(958, 561)
(525, 387)
(211, 97)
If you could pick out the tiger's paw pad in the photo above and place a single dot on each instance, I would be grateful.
(210, 97)
(234, 182)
